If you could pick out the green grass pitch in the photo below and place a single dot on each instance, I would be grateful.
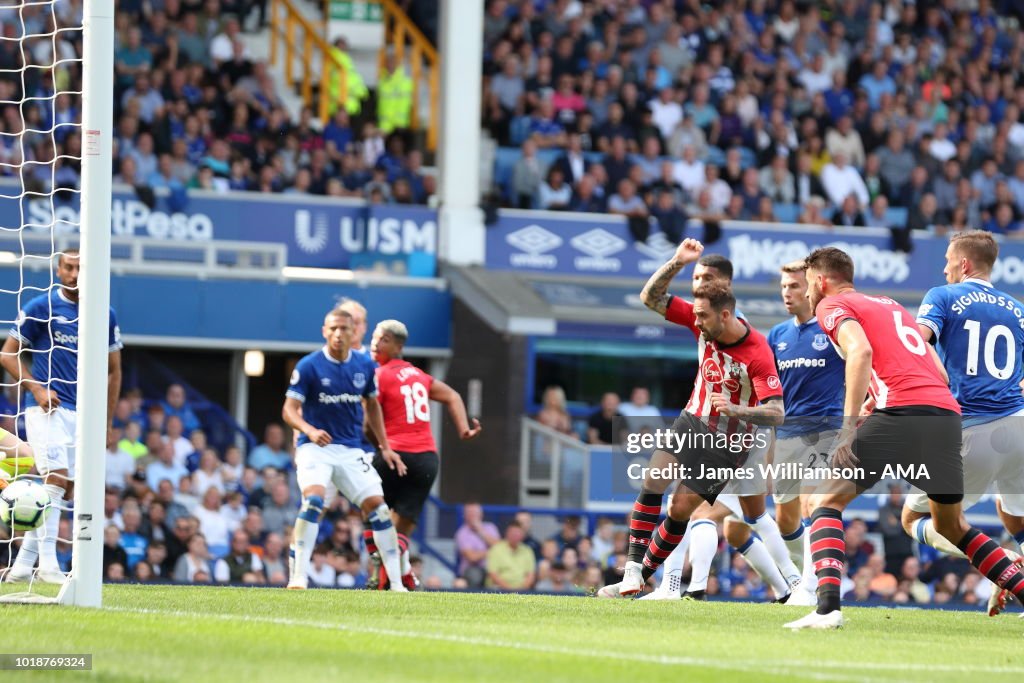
(232, 634)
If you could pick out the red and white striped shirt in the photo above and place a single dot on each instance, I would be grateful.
(743, 371)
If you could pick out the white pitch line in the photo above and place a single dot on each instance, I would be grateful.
(799, 667)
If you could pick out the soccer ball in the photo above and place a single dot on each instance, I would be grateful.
(24, 505)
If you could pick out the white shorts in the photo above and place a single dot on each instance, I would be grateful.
(807, 450)
(756, 485)
(349, 469)
(52, 437)
(993, 454)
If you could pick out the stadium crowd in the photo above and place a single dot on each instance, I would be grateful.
(827, 113)
(194, 110)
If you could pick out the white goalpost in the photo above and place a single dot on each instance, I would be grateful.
(45, 28)
(84, 586)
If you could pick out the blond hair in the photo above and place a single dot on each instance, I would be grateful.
(396, 328)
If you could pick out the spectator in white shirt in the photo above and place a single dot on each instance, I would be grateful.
(719, 190)
(212, 524)
(666, 112)
(841, 180)
(815, 77)
(120, 465)
(175, 437)
(844, 139)
(941, 147)
(208, 475)
(689, 171)
(639, 412)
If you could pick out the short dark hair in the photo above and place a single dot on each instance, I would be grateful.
(833, 262)
(718, 295)
(978, 246)
(719, 263)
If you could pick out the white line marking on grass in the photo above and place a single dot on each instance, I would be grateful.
(794, 667)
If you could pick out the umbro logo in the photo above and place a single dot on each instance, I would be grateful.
(598, 243)
(325, 381)
(533, 242)
(534, 239)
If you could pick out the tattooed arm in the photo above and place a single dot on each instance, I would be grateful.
(655, 293)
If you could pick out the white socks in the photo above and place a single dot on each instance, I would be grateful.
(757, 555)
(703, 546)
(924, 531)
(672, 568)
(768, 530)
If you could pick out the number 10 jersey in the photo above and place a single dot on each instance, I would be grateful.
(980, 336)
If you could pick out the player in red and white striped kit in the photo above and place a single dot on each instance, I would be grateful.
(404, 394)
(737, 388)
(915, 424)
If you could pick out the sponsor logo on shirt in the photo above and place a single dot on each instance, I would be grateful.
(331, 399)
(833, 317)
(63, 339)
(801, 363)
(773, 382)
(711, 371)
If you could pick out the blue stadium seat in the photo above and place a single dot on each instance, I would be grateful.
(896, 216)
(787, 213)
(747, 157)
(519, 130)
(715, 156)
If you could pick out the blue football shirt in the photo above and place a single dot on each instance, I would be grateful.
(332, 393)
(979, 334)
(813, 377)
(48, 325)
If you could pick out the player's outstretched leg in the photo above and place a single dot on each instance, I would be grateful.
(307, 526)
(828, 552)
(703, 546)
(386, 539)
(762, 523)
(49, 567)
(642, 522)
(739, 536)
(920, 526)
(666, 538)
(21, 569)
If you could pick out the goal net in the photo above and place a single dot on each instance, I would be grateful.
(56, 111)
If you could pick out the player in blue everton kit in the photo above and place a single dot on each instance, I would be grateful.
(47, 333)
(325, 405)
(979, 334)
(813, 376)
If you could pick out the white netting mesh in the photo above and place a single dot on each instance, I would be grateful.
(40, 165)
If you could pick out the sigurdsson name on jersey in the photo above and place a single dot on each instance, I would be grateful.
(338, 398)
(800, 363)
(961, 303)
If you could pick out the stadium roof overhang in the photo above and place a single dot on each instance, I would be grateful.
(537, 304)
